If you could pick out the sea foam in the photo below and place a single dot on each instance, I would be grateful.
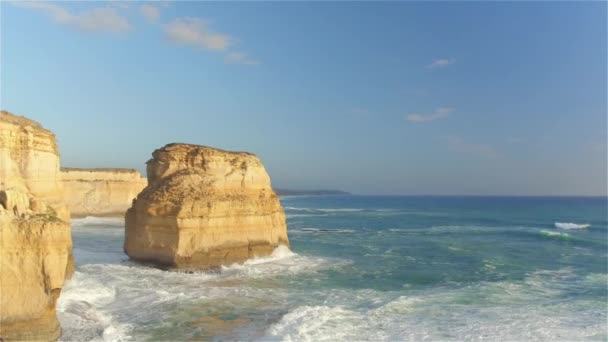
(103, 302)
(487, 310)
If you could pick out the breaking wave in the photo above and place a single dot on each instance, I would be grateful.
(507, 310)
(103, 302)
(553, 234)
(566, 225)
(328, 210)
(319, 230)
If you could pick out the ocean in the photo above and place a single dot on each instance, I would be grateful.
(364, 268)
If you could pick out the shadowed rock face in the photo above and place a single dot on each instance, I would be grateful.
(101, 192)
(35, 243)
(204, 207)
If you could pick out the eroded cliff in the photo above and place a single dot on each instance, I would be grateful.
(204, 207)
(36, 244)
(101, 192)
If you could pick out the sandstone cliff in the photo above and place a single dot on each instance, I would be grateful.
(204, 207)
(36, 244)
(101, 192)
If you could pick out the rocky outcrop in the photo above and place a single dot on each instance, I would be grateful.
(36, 244)
(101, 192)
(204, 207)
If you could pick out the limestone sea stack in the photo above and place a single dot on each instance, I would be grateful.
(101, 191)
(35, 243)
(204, 207)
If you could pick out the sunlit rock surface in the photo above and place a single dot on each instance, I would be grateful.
(36, 244)
(204, 207)
(101, 192)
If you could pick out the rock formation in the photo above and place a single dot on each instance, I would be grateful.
(35, 244)
(101, 192)
(204, 207)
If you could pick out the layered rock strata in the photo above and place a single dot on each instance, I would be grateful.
(204, 207)
(35, 239)
(101, 192)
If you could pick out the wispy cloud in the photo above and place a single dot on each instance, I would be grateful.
(194, 31)
(439, 113)
(239, 58)
(458, 145)
(151, 13)
(101, 19)
(440, 63)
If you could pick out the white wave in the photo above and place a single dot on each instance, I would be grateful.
(299, 209)
(281, 262)
(98, 221)
(125, 301)
(343, 210)
(279, 253)
(304, 215)
(554, 234)
(318, 323)
(567, 225)
(510, 310)
(396, 230)
(328, 210)
(79, 311)
(320, 230)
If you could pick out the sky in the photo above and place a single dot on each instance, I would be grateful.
(470, 98)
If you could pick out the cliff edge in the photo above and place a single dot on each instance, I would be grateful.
(36, 243)
(204, 207)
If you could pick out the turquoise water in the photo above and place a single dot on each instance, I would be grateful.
(365, 268)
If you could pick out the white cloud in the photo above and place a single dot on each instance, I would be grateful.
(151, 13)
(101, 19)
(482, 150)
(239, 58)
(440, 63)
(193, 31)
(439, 113)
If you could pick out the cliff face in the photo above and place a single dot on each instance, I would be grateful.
(204, 207)
(101, 192)
(36, 243)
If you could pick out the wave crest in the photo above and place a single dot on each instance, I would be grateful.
(549, 233)
(569, 225)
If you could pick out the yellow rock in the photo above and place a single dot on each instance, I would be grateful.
(36, 244)
(204, 207)
(101, 192)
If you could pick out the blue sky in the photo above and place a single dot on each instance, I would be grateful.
(380, 98)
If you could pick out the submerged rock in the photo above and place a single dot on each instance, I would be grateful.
(35, 243)
(101, 192)
(204, 207)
